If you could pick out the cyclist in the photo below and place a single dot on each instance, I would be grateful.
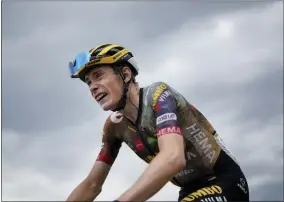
(161, 127)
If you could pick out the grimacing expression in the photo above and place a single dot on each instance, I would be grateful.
(105, 86)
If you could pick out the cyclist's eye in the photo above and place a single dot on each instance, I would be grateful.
(98, 76)
(88, 82)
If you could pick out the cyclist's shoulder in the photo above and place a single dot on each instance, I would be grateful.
(114, 119)
(158, 84)
(114, 122)
(155, 89)
(161, 91)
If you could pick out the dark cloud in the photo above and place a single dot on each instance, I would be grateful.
(20, 18)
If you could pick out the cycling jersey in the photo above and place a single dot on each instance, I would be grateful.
(163, 110)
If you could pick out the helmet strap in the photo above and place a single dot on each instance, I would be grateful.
(122, 102)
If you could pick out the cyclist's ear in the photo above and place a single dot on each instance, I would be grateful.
(126, 74)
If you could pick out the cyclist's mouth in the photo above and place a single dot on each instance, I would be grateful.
(101, 96)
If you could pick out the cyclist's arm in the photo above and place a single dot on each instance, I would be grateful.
(91, 186)
(169, 161)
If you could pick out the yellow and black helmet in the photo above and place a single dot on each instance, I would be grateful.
(105, 54)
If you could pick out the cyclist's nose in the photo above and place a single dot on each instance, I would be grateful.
(94, 88)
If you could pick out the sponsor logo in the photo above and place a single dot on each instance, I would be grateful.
(214, 199)
(116, 55)
(168, 130)
(152, 140)
(185, 172)
(242, 185)
(139, 145)
(199, 139)
(243, 182)
(190, 155)
(157, 107)
(157, 93)
(132, 129)
(164, 95)
(94, 62)
(215, 189)
(166, 117)
(116, 117)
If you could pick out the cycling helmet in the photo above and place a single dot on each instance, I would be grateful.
(106, 54)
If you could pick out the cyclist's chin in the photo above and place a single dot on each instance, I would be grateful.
(107, 106)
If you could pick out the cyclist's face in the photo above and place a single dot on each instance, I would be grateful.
(105, 86)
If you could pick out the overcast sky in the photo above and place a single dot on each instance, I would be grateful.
(225, 58)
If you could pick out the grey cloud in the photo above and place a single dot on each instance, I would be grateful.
(153, 18)
(261, 168)
(265, 96)
(261, 98)
(269, 192)
(37, 91)
(52, 148)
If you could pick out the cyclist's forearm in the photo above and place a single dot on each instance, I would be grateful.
(84, 192)
(159, 172)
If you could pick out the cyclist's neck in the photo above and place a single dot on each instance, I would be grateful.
(130, 110)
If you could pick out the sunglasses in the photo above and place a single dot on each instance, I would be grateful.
(79, 64)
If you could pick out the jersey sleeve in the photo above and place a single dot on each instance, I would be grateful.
(165, 108)
(110, 145)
